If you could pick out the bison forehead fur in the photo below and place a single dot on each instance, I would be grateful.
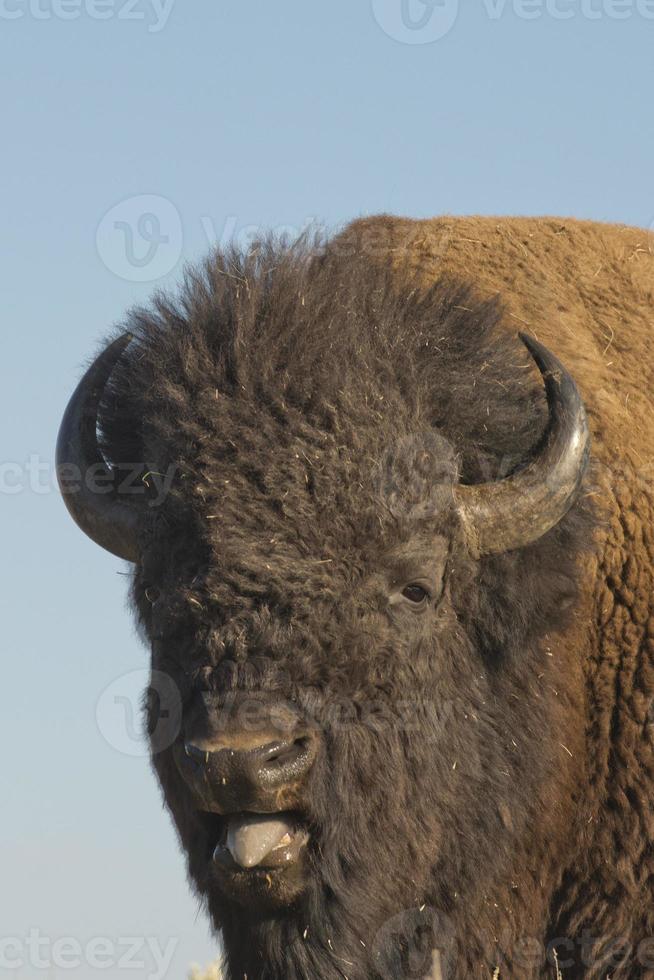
(314, 405)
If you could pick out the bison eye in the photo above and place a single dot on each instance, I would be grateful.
(415, 593)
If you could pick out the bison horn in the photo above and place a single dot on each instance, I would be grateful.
(97, 508)
(518, 510)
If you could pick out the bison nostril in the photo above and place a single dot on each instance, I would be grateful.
(284, 762)
(286, 754)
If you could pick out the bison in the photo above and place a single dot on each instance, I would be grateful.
(396, 563)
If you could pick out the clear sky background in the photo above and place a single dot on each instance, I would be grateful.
(131, 143)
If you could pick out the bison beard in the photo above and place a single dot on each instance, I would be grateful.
(319, 414)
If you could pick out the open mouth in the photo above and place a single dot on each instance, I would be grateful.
(255, 842)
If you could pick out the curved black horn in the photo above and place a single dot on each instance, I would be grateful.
(516, 511)
(97, 509)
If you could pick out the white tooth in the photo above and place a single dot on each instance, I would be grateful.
(252, 837)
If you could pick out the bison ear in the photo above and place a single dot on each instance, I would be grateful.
(518, 510)
(87, 483)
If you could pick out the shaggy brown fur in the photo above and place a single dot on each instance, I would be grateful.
(316, 408)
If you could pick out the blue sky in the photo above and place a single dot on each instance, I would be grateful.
(134, 135)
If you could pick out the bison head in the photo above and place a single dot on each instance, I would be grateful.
(354, 526)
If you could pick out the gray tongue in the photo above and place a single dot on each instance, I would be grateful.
(251, 837)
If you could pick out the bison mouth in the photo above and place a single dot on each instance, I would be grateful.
(252, 855)
(260, 841)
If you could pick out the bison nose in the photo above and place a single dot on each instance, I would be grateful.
(263, 777)
(267, 766)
